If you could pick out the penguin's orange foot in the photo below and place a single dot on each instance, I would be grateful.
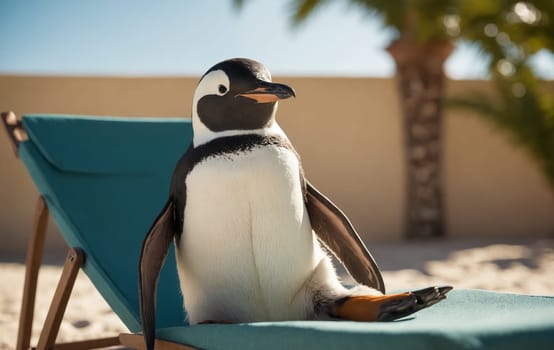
(368, 308)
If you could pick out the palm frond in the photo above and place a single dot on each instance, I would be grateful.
(527, 119)
(238, 4)
(300, 10)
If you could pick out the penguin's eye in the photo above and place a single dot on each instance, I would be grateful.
(222, 89)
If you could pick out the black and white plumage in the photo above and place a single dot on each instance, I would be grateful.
(252, 234)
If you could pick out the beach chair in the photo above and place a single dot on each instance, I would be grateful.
(104, 179)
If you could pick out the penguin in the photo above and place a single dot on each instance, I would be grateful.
(253, 236)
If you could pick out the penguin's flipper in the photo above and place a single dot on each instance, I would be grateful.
(154, 252)
(367, 308)
(337, 233)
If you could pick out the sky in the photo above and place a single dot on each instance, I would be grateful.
(186, 37)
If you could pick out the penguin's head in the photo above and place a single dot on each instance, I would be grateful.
(235, 96)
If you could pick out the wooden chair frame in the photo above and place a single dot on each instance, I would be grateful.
(73, 263)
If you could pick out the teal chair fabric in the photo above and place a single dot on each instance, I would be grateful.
(105, 180)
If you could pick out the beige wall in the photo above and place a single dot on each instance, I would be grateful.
(348, 133)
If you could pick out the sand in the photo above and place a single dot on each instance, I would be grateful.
(525, 267)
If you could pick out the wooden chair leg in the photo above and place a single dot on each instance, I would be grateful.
(88, 344)
(34, 258)
(73, 263)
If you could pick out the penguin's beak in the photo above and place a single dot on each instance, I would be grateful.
(267, 92)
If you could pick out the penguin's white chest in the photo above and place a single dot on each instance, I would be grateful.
(247, 246)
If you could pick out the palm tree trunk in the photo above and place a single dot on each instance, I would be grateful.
(420, 77)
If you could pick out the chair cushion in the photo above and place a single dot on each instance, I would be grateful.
(105, 180)
(467, 319)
